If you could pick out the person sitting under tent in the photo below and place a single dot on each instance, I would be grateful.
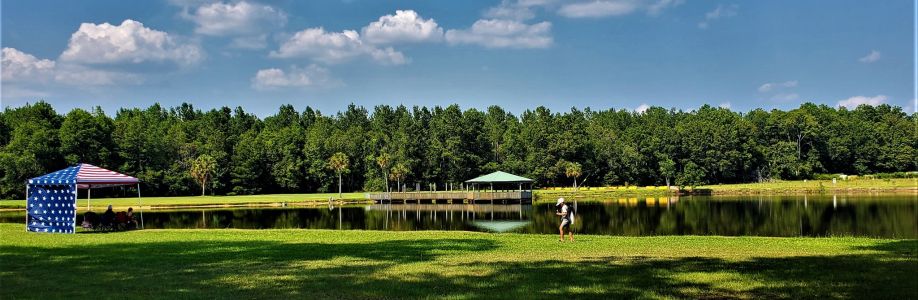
(90, 220)
(121, 220)
(108, 218)
(132, 222)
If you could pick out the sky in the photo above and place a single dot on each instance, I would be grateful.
(519, 54)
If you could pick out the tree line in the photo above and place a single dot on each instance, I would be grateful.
(179, 150)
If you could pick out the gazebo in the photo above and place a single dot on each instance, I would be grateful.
(508, 186)
(51, 199)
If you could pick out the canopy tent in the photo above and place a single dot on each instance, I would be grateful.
(51, 199)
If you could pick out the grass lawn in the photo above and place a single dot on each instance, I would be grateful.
(817, 186)
(243, 264)
(124, 203)
(779, 187)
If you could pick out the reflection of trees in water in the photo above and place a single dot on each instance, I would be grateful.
(785, 216)
(764, 216)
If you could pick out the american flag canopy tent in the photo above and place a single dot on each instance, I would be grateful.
(51, 198)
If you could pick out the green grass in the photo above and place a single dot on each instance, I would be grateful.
(778, 187)
(241, 264)
(817, 186)
(163, 202)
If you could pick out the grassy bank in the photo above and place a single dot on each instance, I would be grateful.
(860, 185)
(368, 264)
(205, 201)
(778, 187)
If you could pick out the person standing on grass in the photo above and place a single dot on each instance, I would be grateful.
(567, 218)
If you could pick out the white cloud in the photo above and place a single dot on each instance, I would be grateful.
(515, 10)
(404, 26)
(84, 76)
(21, 66)
(598, 8)
(250, 42)
(767, 87)
(658, 7)
(856, 101)
(785, 97)
(873, 56)
(129, 42)
(25, 68)
(312, 76)
(720, 12)
(607, 8)
(726, 105)
(642, 108)
(334, 47)
(241, 18)
(496, 33)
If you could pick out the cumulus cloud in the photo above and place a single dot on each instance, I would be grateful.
(334, 47)
(25, 68)
(767, 87)
(21, 66)
(642, 108)
(873, 56)
(404, 26)
(129, 42)
(312, 76)
(598, 8)
(241, 18)
(722, 11)
(856, 101)
(495, 33)
(725, 105)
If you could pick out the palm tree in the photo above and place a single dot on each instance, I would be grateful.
(384, 160)
(202, 168)
(398, 173)
(339, 163)
(573, 170)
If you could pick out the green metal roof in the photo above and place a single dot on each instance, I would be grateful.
(498, 177)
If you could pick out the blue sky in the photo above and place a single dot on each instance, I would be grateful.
(515, 53)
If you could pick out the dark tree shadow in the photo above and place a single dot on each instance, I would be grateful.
(389, 269)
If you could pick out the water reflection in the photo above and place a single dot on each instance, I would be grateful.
(808, 215)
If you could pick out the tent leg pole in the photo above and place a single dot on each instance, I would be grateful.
(88, 196)
(27, 207)
(75, 205)
(140, 203)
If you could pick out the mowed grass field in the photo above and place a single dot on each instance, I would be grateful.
(124, 203)
(859, 185)
(242, 264)
(817, 186)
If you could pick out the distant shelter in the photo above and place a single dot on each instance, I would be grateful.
(497, 187)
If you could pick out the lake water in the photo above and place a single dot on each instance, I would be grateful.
(885, 216)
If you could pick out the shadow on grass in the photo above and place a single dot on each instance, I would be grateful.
(412, 269)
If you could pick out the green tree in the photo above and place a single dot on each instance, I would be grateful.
(692, 175)
(573, 170)
(202, 170)
(338, 162)
(384, 160)
(398, 173)
(667, 169)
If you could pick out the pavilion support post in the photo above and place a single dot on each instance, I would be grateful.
(88, 196)
(140, 204)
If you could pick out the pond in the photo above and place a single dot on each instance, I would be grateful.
(887, 216)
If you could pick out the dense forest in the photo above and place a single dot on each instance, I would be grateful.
(174, 150)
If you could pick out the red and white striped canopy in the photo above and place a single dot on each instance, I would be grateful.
(85, 176)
